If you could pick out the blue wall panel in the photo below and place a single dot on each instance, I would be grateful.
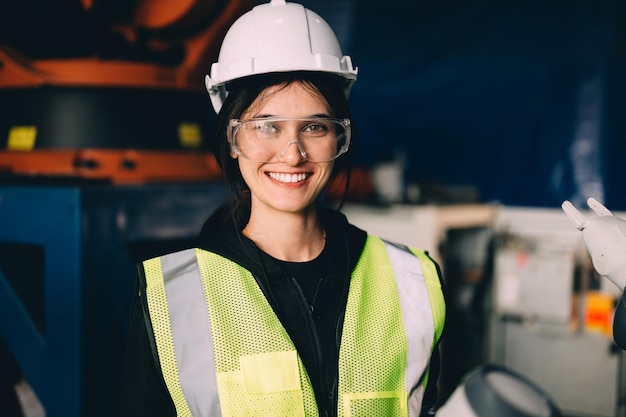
(523, 100)
(91, 236)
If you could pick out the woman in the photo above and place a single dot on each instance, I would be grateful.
(284, 308)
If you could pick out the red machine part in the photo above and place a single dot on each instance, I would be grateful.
(115, 166)
(198, 26)
(177, 19)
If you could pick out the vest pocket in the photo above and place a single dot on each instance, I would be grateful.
(266, 384)
(377, 403)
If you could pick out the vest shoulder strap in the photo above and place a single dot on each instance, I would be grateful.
(435, 290)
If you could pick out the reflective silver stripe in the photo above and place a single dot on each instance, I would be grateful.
(418, 319)
(191, 331)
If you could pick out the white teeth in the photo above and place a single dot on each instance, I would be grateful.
(287, 177)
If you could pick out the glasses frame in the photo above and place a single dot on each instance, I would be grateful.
(235, 124)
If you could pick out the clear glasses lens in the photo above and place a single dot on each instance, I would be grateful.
(318, 139)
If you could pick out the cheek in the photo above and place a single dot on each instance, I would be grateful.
(330, 168)
(326, 176)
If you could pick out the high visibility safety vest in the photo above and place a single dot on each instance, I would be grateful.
(223, 351)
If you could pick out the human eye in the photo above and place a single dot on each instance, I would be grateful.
(317, 128)
(264, 129)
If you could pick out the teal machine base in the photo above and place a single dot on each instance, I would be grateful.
(67, 279)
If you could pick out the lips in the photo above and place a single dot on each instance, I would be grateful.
(288, 178)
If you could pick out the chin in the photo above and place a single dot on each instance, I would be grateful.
(289, 206)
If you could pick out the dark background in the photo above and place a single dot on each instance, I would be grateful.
(520, 100)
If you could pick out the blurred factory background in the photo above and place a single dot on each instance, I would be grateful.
(475, 120)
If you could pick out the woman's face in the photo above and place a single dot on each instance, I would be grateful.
(289, 183)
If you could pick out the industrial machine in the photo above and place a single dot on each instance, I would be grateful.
(109, 90)
(104, 159)
(550, 314)
(492, 390)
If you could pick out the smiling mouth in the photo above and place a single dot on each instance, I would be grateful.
(288, 178)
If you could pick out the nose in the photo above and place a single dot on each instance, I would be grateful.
(293, 154)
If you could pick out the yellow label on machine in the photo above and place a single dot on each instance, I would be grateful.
(599, 312)
(22, 138)
(189, 135)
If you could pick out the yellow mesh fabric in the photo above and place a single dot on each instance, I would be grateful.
(392, 403)
(160, 318)
(247, 336)
(373, 385)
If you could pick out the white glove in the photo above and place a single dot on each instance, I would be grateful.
(605, 238)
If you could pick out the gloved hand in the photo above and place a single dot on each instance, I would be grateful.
(605, 238)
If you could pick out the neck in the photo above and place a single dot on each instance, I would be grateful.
(294, 238)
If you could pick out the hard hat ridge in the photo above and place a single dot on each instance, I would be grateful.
(277, 37)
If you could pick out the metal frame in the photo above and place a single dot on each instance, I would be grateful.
(50, 362)
(74, 367)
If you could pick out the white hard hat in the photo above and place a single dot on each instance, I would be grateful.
(277, 37)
